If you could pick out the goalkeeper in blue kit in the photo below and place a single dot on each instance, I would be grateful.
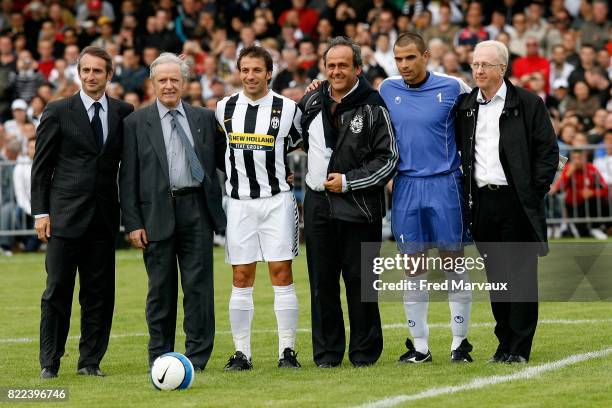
(427, 208)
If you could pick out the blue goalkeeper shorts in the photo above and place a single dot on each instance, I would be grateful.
(428, 212)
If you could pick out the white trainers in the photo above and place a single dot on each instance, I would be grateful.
(598, 234)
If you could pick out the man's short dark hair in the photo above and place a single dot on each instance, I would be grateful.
(96, 52)
(406, 39)
(255, 51)
(346, 42)
(588, 45)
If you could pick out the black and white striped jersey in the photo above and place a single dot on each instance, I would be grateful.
(259, 135)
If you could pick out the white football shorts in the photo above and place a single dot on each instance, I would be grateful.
(262, 229)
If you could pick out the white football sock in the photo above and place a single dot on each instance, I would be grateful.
(241, 315)
(416, 303)
(286, 310)
(460, 303)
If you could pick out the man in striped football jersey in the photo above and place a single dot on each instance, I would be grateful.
(261, 128)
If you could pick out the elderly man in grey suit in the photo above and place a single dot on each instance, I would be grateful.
(171, 203)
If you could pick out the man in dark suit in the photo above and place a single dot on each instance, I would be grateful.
(75, 203)
(171, 203)
(509, 158)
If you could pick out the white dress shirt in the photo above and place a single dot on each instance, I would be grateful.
(88, 101)
(487, 166)
(319, 154)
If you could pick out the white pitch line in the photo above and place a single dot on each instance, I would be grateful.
(482, 382)
(307, 330)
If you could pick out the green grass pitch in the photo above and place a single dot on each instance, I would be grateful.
(559, 336)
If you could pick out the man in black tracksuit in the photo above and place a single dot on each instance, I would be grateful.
(352, 154)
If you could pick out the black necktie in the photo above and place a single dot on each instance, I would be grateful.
(96, 125)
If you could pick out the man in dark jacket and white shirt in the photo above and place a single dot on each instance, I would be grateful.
(509, 157)
(351, 155)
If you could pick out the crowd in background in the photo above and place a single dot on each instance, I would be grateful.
(559, 49)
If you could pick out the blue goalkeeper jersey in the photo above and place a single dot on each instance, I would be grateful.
(424, 122)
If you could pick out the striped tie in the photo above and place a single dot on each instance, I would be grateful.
(194, 163)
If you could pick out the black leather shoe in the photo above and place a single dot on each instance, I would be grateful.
(48, 372)
(516, 359)
(499, 357)
(91, 370)
(327, 365)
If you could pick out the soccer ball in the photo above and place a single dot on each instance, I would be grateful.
(172, 371)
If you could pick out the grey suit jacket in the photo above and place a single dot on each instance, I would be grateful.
(144, 181)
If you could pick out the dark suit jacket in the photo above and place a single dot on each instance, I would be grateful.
(528, 152)
(69, 175)
(144, 181)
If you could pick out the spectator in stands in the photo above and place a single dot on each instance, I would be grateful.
(559, 67)
(498, 25)
(290, 65)
(194, 93)
(106, 36)
(582, 102)
(21, 185)
(307, 55)
(8, 207)
(437, 49)
(37, 105)
(370, 68)
(565, 142)
(210, 73)
(227, 59)
(14, 127)
(133, 74)
(597, 31)
(133, 98)
(561, 23)
(187, 20)
(46, 61)
(536, 25)
(308, 17)
(604, 163)
(28, 78)
(450, 64)
(127, 37)
(386, 25)
(149, 54)
(160, 33)
(71, 55)
(532, 62)
(517, 43)
(94, 9)
(384, 54)
(474, 32)
(559, 96)
(587, 62)
(445, 29)
(48, 33)
(325, 30)
(596, 134)
(586, 193)
(247, 38)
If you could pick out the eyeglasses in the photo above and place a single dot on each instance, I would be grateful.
(486, 66)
